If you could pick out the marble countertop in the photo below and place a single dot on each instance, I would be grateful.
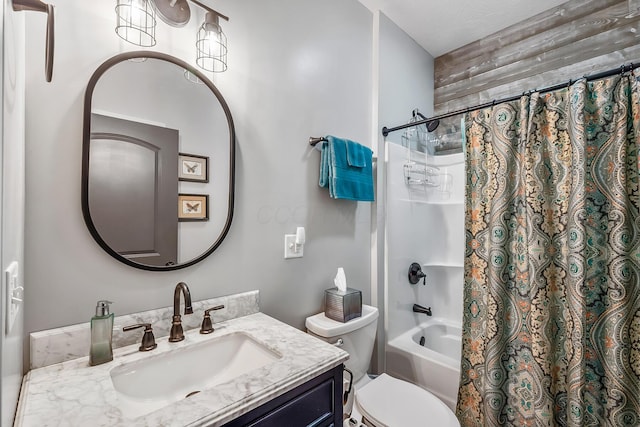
(73, 393)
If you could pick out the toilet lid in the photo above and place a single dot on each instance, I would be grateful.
(390, 402)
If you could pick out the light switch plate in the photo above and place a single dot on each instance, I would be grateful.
(289, 247)
(14, 294)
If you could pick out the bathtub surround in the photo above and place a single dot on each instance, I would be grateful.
(71, 342)
(405, 82)
(425, 225)
(80, 395)
(550, 332)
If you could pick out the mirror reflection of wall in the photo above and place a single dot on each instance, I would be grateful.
(155, 92)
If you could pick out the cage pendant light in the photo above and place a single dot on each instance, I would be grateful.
(211, 45)
(136, 22)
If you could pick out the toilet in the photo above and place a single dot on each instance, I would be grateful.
(384, 401)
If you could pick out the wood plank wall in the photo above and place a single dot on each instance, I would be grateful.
(577, 38)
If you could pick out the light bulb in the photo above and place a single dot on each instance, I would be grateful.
(212, 36)
(135, 12)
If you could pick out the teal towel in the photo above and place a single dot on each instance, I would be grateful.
(324, 165)
(356, 154)
(344, 180)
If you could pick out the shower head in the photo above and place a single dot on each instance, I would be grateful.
(433, 125)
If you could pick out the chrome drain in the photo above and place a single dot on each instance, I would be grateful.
(192, 393)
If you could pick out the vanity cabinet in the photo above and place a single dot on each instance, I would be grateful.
(316, 403)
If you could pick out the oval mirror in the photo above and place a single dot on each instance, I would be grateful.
(158, 161)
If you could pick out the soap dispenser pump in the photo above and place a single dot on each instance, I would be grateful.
(101, 334)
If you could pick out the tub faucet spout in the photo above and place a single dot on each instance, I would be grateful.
(420, 309)
(177, 334)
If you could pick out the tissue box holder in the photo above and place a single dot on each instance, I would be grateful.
(342, 306)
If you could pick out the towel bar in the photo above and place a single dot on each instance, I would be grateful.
(314, 140)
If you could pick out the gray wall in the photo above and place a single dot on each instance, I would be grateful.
(13, 199)
(406, 78)
(405, 82)
(297, 68)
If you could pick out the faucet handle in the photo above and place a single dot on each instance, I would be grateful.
(148, 340)
(207, 324)
(416, 273)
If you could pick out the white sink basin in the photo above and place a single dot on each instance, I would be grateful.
(157, 381)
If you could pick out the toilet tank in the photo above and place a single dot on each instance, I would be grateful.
(357, 335)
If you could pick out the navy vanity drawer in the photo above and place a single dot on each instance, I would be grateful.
(317, 403)
(312, 408)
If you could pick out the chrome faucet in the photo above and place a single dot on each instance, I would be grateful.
(177, 334)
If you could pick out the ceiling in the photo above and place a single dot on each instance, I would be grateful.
(441, 26)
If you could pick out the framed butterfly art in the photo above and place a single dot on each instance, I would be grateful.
(193, 168)
(193, 207)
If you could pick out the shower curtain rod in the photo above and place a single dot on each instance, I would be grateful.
(386, 131)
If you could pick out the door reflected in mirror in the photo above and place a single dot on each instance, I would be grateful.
(152, 137)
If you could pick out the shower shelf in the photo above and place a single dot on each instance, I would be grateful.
(434, 202)
(443, 265)
(423, 175)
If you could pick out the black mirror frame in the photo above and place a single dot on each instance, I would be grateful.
(86, 133)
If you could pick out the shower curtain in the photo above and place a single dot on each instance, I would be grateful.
(551, 324)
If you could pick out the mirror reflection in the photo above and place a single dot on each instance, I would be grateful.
(158, 162)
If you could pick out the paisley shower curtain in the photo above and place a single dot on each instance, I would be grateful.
(551, 327)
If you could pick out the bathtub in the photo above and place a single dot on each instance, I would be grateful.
(434, 366)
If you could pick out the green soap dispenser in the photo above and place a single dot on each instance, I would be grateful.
(101, 333)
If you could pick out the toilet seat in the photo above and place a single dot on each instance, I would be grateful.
(390, 402)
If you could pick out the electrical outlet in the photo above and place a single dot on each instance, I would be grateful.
(14, 294)
(290, 247)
